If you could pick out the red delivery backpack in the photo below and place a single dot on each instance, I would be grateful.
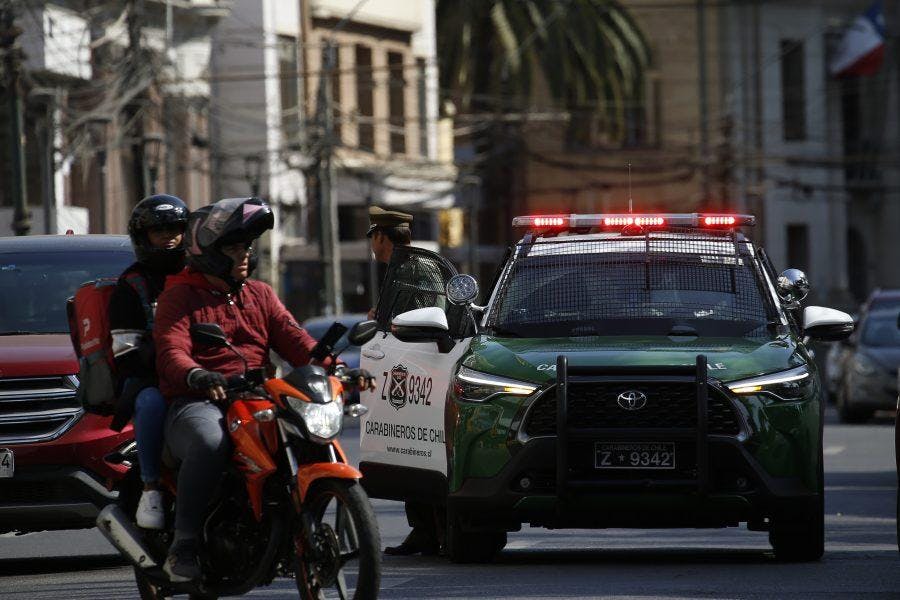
(88, 314)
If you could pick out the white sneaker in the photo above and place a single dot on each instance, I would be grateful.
(150, 514)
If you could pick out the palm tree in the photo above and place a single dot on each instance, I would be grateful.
(590, 53)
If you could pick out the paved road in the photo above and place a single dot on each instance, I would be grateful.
(861, 557)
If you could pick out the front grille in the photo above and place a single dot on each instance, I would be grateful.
(37, 409)
(669, 406)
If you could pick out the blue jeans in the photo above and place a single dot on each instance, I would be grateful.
(149, 419)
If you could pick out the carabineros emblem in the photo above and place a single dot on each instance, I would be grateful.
(397, 393)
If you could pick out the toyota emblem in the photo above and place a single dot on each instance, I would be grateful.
(632, 400)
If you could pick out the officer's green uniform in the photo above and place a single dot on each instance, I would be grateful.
(426, 520)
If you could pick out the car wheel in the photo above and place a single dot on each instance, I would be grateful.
(846, 412)
(472, 546)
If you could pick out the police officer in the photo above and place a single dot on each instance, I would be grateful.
(388, 229)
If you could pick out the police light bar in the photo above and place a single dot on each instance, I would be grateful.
(643, 221)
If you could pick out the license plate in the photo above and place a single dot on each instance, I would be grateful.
(634, 455)
(7, 463)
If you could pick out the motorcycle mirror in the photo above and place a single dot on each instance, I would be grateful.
(362, 332)
(209, 334)
(325, 346)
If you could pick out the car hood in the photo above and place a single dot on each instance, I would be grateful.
(36, 355)
(730, 359)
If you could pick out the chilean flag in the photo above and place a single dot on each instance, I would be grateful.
(861, 50)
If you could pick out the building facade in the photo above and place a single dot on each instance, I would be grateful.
(387, 144)
(116, 102)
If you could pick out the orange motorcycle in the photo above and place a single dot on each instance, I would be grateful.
(289, 504)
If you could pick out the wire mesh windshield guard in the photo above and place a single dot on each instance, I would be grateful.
(605, 283)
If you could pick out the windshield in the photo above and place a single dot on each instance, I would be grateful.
(616, 286)
(880, 329)
(34, 286)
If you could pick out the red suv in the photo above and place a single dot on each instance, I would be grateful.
(55, 460)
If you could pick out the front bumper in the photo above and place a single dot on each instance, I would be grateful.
(739, 491)
(47, 498)
(63, 483)
(719, 480)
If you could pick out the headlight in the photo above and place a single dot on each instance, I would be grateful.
(864, 365)
(478, 387)
(784, 385)
(322, 420)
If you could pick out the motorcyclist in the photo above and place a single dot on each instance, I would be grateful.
(214, 288)
(156, 228)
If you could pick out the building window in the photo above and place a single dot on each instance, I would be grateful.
(365, 98)
(798, 247)
(793, 91)
(422, 75)
(396, 104)
(289, 81)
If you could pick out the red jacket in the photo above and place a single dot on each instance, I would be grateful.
(254, 321)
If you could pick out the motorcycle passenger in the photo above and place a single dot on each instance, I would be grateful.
(214, 288)
(387, 230)
(156, 228)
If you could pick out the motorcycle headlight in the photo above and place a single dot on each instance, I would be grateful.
(476, 386)
(322, 420)
(794, 384)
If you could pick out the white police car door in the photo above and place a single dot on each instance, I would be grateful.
(402, 440)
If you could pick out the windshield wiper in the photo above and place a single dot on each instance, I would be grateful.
(22, 332)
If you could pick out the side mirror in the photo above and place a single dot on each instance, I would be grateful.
(325, 346)
(424, 325)
(430, 318)
(362, 332)
(793, 285)
(208, 334)
(462, 289)
(826, 324)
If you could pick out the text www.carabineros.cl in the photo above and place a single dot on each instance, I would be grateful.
(409, 451)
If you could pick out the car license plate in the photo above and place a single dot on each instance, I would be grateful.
(634, 455)
(7, 463)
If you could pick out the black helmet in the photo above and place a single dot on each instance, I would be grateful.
(157, 211)
(229, 221)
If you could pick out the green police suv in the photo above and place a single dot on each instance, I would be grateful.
(628, 370)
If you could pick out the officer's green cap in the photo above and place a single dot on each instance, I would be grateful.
(378, 217)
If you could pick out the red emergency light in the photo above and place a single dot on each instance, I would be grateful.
(620, 221)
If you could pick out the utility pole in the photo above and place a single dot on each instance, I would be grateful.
(11, 63)
(328, 213)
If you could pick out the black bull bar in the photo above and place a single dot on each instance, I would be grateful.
(566, 431)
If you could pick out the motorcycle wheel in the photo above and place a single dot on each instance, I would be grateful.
(345, 541)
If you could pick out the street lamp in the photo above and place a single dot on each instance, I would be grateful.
(96, 129)
(253, 173)
(153, 144)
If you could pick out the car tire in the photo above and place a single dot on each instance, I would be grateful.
(471, 546)
(846, 412)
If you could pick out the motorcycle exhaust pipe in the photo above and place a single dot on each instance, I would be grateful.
(116, 527)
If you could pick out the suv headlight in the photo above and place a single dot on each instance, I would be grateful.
(476, 386)
(794, 384)
(322, 420)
